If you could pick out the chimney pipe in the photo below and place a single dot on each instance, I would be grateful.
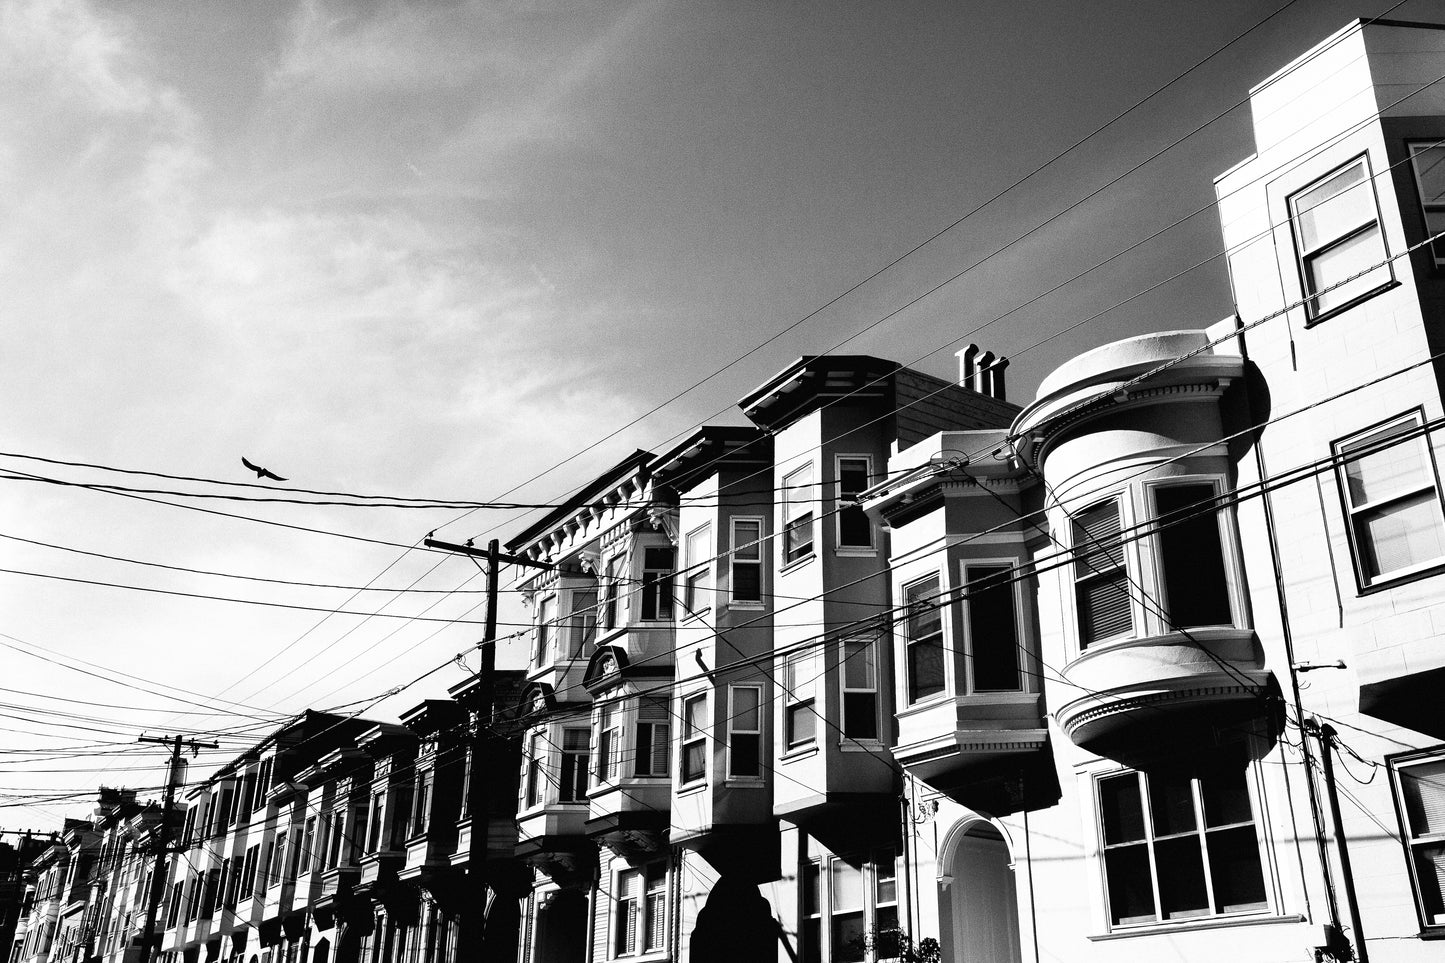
(981, 377)
(967, 367)
(996, 378)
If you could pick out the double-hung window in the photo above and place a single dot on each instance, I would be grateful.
(656, 584)
(1428, 160)
(861, 902)
(697, 578)
(745, 730)
(798, 514)
(923, 622)
(860, 688)
(745, 562)
(640, 925)
(1191, 552)
(1419, 783)
(1101, 580)
(1387, 478)
(309, 850)
(608, 738)
(800, 714)
(652, 738)
(1179, 842)
(854, 529)
(546, 616)
(584, 620)
(993, 629)
(536, 779)
(612, 587)
(1337, 236)
(694, 738)
(421, 806)
(575, 752)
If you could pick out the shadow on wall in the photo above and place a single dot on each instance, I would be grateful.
(735, 924)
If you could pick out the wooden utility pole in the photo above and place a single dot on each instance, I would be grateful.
(487, 697)
(163, 849)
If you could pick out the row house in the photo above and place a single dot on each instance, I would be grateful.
(14, 858)
(57, 885)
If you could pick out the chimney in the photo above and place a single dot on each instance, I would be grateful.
(994, 379)
(980, 377)
(967, 367)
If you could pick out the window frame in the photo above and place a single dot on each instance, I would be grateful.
(693, 737)
(582, 625)
(845, 691)
(1412, 149)
(609, 593)
(795, 495)
(1397, 764)
(639, 890)
(1228, 548)
(546, 628)
(1127, 566)
(795, 704)
(736, 559)
(698, 584)
(656, 586)
(1149, 840)
(735, 731)
(1021, 633)
(581, 763)
(607, 752)
(659, 736)
(942, 607)
(1364, 585)
(818, 931)
(839, 546)
(1303, 258)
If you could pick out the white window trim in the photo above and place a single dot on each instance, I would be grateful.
(670, 585)
(1132, 564)
(733, 730)
(877, 691)
(1363, 582)
(1312, 312)
(869, 881)
(1026, 649)
(1152, 557)
(618, 728)
(761, 563)
(871, 549)
(702, 736)
(784, 506)
(1089, 776)
(788, 699)
(1408, 839)
(692, 608)
(946, 614)
(1418, 148)
(547, 630)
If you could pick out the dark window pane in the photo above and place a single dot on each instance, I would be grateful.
(746, 760)
(1430, 870)
(1235, 871)
(811, 882)
(1225, 794)
(1122, 810)
(993, 629)
(1131, 894)
(812, 938)
(860, 715)
(1171, 802)
(747, 582)
(1193, 558)
(694, 761)
(1181, 878)
(848, 938)
(925, 668)
(1104, 608)
(802, 723)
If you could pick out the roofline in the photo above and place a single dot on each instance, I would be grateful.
(632, 463)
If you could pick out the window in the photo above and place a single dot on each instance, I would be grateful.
(697, 579)
(800, 717)
(608, 737)
(854, 475)
(612, 589)
(1430, 183)
(546, 615)
(798, 514)
(694, 738)
(1393, 501)
(584, 620)
(924, 642)
(845, 911)
(656, 584)
(263, 783)
(250, 869)
(1179, 842)
(1196, 588)
(401, 816)
(1100, 578)
(860, 689)
(1337, 235)
(536, 776)
(308, 847)
(862, 909)
(745, 562)
(811, 935)
(173, 912)
(745, 730)
(993, 630)
(421, 809)
(652, 738)
(575, 762)
(640, 925)
(1420, 798)
(276, 863)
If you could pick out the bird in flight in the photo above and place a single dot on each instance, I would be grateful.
(261, 472)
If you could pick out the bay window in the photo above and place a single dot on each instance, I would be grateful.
(923, 642)
(798, 514)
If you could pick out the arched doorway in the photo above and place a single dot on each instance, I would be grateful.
(979, 901)
(561, 928)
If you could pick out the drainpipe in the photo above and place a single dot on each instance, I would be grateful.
(906, 815)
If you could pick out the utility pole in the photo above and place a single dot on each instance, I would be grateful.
(487, 694)
(173, 778)
(1326, 735)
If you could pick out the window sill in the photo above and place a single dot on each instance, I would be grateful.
(696, 615)
(849, 744)
(1404, 576)
(691, 789)
(856, 551)
(1389, 285)
(746, 782)
(797, 563)
(1188, 926)
(799, 752)
(746, 606)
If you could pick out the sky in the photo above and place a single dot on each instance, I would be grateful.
(434, 249)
